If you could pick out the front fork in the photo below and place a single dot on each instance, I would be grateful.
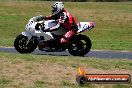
(29, 36)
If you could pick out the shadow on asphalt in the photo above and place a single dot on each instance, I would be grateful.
(95, 54)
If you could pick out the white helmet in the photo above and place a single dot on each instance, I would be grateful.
(57, 7)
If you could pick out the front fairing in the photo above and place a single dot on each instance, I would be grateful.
(31, 31)
(31, 25)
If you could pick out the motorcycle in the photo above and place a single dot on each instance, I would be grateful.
(34, 36)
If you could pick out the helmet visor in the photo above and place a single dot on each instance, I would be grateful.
(54, 10)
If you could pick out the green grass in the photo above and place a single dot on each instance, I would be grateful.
(44, 71)
(113, 20)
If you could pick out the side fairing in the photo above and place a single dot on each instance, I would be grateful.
(55, 27)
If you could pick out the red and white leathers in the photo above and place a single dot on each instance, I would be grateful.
(68, 22)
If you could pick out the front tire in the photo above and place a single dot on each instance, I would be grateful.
(80, 45)
(21, 45)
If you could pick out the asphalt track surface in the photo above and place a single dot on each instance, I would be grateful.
(93, 53)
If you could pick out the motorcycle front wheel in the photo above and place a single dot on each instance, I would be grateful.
(79, 45)
(22, 46)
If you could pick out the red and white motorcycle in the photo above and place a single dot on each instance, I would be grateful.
(34, 37)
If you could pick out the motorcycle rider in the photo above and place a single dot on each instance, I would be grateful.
(65, 19)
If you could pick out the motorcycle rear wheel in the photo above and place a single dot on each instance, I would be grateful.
(80, 45)
(21, 45)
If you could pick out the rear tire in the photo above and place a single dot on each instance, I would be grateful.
(21, 45)
(80, 45)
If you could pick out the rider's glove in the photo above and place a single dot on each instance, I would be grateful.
(39, 18)
(46, 18)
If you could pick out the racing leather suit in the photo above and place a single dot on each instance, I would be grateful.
(68, 22)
